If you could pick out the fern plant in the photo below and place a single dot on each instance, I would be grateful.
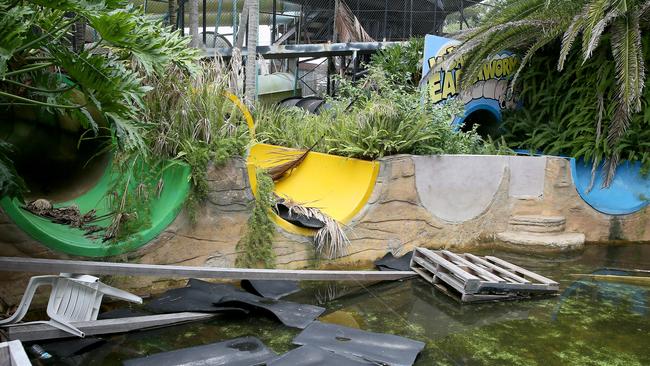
(527, 26)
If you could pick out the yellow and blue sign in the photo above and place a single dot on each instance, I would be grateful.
(487, 93)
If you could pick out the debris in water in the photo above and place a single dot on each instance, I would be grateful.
(377, 348)
(245, 351)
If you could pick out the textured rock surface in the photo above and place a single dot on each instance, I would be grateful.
(393, 220)
(543, 241)
(537, 223)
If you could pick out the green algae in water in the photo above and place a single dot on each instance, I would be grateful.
(591, 323)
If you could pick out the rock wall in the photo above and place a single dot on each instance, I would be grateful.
(399, 215)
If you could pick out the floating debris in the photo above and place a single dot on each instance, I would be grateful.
(315, 356)
(377, 348)
(471, 278)
(245, 351)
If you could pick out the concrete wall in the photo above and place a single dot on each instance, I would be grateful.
(440, 201)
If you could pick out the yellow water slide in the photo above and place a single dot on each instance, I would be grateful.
(338, 186)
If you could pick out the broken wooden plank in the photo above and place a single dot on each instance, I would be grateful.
(37, 265)
(504, 273)
(520, 270)
(41, 330)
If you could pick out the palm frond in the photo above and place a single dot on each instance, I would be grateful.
(630, 79)
(330, 241)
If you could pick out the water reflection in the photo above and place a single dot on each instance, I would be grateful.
(592, 322)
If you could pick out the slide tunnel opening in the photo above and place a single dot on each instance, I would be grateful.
(488, 123)
(56, 163)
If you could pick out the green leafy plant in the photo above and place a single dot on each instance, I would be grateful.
(527, 26)
(256, 246)
(573, 121)
(403, 62)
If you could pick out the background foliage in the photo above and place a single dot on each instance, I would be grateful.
(573, 121)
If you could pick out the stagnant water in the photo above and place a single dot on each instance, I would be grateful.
(590, 323)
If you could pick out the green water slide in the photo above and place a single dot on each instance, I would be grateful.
(62, 238)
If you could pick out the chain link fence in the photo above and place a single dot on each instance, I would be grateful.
(313, 21)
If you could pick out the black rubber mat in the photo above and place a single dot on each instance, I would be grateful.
(383, 349)
(246, 351)
(197, 296)
(209, 297)
(290, 314)
(392, 263)
(188, 299)
(315, 356)
(272, 289)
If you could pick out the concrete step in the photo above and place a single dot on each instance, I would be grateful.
(537, 224)
(543, 241)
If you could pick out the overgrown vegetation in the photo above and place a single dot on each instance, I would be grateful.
(574, 121)
(528, 26)
(255, 247)
(188, 120)
(102, 86)
(377, 117)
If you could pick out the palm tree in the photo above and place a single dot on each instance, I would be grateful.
(529, 25)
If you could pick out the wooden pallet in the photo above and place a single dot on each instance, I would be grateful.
(472, 278)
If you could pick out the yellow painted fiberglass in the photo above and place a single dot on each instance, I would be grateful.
(338, 186)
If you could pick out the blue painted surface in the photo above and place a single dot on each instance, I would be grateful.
(432, 45)
(628, 193)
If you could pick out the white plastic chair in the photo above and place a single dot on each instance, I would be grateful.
(73, 298)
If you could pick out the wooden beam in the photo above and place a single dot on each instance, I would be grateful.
(41, 330)
(38, 265)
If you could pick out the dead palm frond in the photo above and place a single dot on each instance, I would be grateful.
(290, 162)
(348, 27)
(330, 241)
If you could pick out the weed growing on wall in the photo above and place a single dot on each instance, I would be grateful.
(255, 248)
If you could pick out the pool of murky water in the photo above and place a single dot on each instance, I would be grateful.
(590, 323)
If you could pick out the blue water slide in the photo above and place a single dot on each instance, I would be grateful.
(628, 193)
